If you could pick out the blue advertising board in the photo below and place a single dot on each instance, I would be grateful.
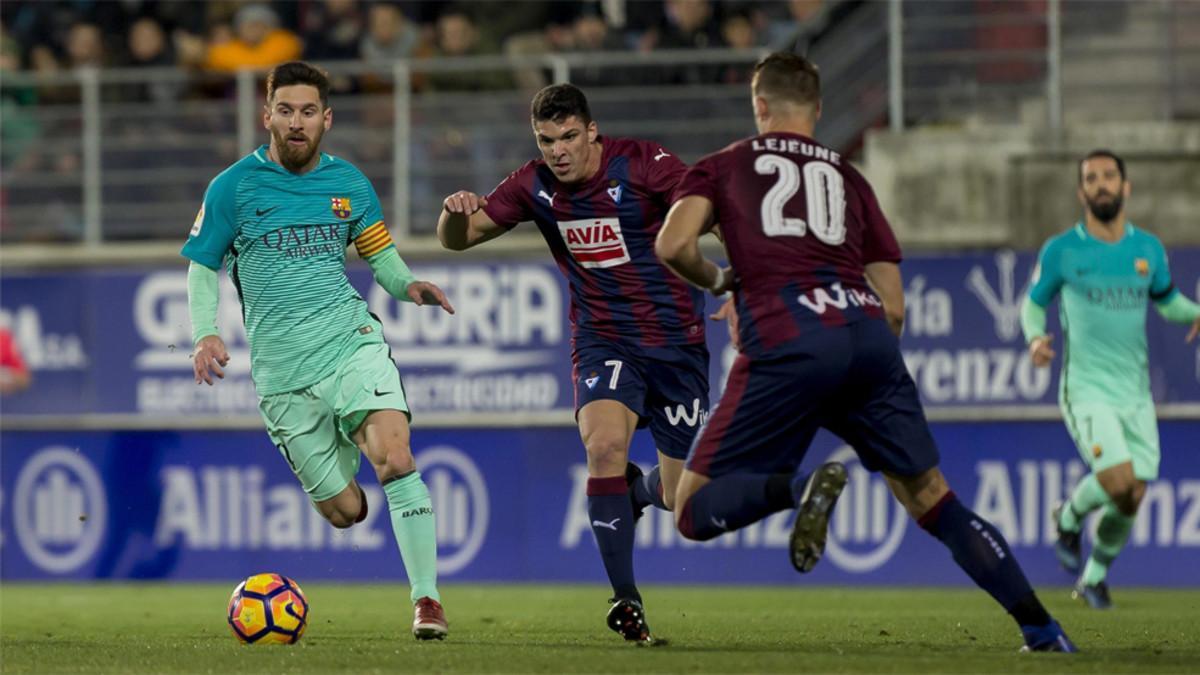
(511, 506)
(118, 340)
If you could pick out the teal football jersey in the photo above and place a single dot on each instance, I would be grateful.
(1105, 289)
(283, 239)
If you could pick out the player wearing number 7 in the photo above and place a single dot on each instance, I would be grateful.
(637, 337)
(1105, 270)
(819, 306)
(280, 220)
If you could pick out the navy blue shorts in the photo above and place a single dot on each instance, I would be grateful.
(666, 387)
(850, 380)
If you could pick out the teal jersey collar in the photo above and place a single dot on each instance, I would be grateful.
(1082, 231)
(261, 154)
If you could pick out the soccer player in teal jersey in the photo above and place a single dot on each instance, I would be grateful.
(280, 220)
(1105, 270)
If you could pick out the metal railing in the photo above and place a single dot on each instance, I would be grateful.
(124, 155)
(120, 155)
(1045, 63)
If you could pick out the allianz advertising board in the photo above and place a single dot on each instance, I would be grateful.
(117, 340)
(511, 506)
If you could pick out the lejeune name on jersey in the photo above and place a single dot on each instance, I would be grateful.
(794, 146)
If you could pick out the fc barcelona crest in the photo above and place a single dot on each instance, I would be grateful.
(340, 206)
(1142, 266)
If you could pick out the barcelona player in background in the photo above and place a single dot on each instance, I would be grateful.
(1104, 270)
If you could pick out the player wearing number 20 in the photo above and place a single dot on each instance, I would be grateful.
(804, 235)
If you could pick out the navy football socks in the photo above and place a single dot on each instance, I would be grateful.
(732, 502)
(981, 551)
(611, 514)
(647, 490)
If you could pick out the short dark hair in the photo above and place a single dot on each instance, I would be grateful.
(558, 102)
(1102, 152)
(298, 72)
(787, 76)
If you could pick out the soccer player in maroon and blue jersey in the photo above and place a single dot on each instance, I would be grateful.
(637, 339)
(819, 308)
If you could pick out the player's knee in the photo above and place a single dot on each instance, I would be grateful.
(340, 519)
(397, 461)
(607, 453)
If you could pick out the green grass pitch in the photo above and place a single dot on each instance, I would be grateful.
(180, 628)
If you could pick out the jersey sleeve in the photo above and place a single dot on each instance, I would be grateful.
(879, 241)
(699, 181)
(662, 172)
(1161, 287)
(372, 215)
(508, 203)
(1047, 274)
(215, 226)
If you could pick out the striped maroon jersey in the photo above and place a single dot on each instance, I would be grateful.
(799, 224)
(602, 234)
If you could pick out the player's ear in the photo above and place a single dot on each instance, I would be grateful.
(328, 118)
(1125, 189)
(592, 131)
(267, 116)
(1081, 197)
(816, 112)
(761, 109)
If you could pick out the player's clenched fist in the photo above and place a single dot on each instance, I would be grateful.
(1040, 351)
(464, 201)
(210, 355)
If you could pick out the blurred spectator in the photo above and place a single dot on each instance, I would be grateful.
(590, 33)
(20, 131)
(258, 42)
(805, 24)
(332, 30)
(14, 375)
(689, 25)
(738, 32)
(85, 46)
(389, 35)
(457, 35)
(148, 48)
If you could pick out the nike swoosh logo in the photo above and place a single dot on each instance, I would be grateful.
(262, 212)
(719, 522)
(382, 393)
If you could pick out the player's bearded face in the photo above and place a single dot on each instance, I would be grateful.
(297, 121)
(1102, 188)
(1105, 205)
(569, 148)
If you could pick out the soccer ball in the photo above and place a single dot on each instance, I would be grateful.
(268, 609)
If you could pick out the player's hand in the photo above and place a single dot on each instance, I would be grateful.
(464, 202)
(1193, 332)
(728, 312)
(426, 293)
(208, 359)
(1040, 351)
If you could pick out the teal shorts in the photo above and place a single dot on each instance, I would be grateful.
(312, 427)
(1107, 436)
